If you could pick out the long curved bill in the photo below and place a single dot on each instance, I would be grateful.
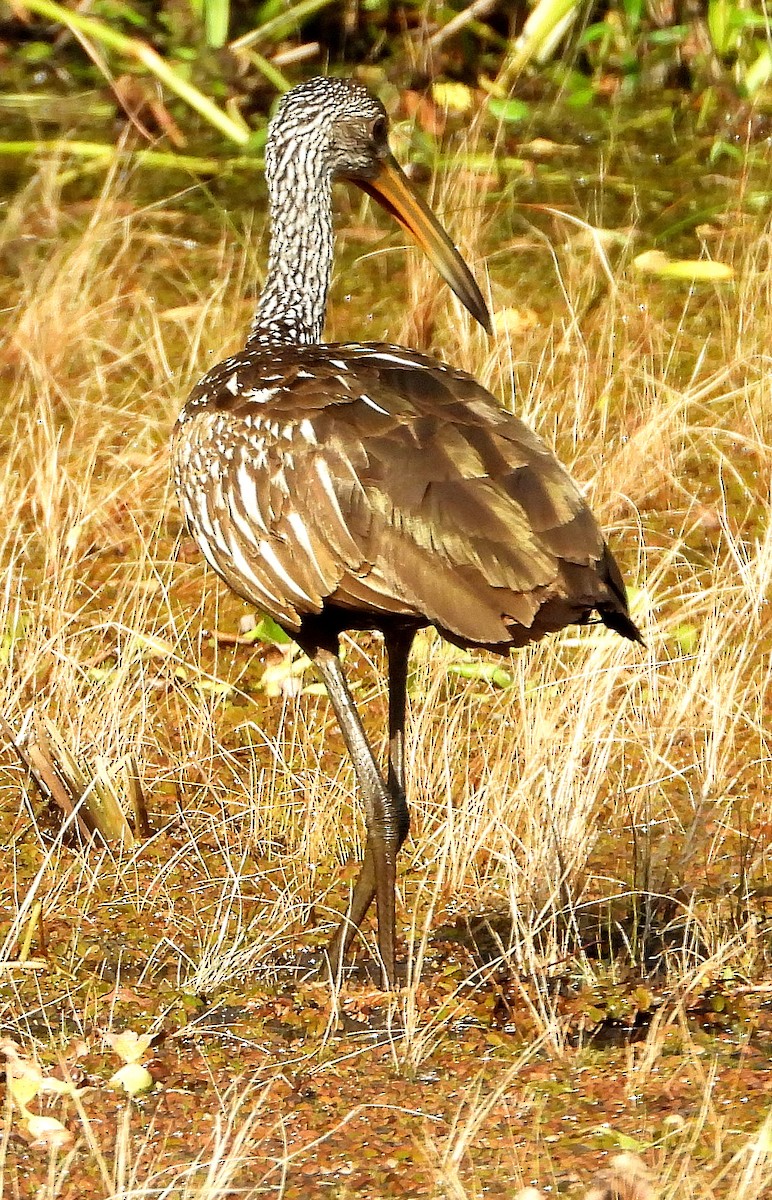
(394, 192)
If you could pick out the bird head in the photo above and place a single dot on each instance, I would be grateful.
(335, 128)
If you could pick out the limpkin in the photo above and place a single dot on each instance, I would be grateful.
(367, 486)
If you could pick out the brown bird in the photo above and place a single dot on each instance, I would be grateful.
(367, 486)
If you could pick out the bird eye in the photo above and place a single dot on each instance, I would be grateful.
(378, 129)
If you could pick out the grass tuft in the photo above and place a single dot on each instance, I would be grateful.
(590, 847)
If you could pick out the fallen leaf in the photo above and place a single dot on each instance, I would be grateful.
(456, 97)
(133, 1078)
(515, 320)
(697, 270)
(424, 112)
(46, 1131)
(545, 148)
(129, 1046)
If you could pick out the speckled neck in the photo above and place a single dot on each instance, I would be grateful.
(293, 300)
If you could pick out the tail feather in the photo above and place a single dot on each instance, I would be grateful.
(616, 615)
(620, 623)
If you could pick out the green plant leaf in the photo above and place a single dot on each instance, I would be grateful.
(489, 672)
(216, 22)
(719, 24)
(686, 637)
(510, 110)
(266, 630)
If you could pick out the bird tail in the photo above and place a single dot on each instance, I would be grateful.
(615, 613)
(620, 623)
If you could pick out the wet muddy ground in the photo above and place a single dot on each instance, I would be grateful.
(636, 1013)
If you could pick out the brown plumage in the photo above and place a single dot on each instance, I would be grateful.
(372, 487)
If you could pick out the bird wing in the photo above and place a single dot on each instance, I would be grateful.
(375, 478)
(460, 513)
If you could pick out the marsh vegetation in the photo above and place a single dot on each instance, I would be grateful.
(585, 894)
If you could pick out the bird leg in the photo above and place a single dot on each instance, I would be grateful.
(377, 876)
(385, 806)
(398, 644)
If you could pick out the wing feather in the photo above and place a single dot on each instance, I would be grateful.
(396, 485)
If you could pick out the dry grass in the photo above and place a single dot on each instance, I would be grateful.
(601, 773)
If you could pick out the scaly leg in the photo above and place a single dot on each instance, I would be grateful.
(385, 806)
